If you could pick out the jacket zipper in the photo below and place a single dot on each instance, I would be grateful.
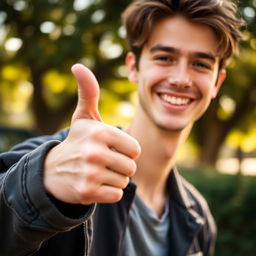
(86, 239)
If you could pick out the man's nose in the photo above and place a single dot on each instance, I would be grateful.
(180, 75)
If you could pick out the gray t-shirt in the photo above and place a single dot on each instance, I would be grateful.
(146, 234)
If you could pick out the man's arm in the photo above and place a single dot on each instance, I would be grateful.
(92, 164)
(27, 215)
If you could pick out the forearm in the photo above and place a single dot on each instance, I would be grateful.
(27, 215)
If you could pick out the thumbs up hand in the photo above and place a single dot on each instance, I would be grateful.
(94, 163)
(88, 94)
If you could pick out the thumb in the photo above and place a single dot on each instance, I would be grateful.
(88, 93)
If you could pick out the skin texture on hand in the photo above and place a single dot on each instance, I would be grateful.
(94, 163)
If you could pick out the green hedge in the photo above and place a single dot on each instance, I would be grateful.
(12, 136)
(232, 200)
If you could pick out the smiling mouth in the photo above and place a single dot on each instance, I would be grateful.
(175, 100)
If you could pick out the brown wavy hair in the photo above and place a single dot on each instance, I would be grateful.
(140, 17)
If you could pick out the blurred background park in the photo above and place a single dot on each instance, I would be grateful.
(41, 39)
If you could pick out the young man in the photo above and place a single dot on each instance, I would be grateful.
(98, 190)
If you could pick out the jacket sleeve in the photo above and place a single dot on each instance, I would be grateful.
(27, 215)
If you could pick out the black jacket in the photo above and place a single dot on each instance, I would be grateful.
(32, 223)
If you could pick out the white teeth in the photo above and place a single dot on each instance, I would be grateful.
(174, 100)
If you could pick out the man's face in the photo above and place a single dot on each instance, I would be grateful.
(178, 73)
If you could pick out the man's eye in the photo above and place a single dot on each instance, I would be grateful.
(202, 65)
(164, 58)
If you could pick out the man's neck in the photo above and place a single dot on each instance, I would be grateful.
(154, 165)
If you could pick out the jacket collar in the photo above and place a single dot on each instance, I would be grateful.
(177, 190)
(185, 220)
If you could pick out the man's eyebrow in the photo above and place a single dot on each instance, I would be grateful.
(205, 55)
(170, 49)
(163, 48)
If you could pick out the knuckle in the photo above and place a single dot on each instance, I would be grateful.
(113, 131)
(95, 155)
(91, 175)
(87, 181)
(92, 156)
(98, 132)
(86, 191)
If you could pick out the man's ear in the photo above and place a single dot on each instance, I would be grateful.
(132, 68)
(220, 80)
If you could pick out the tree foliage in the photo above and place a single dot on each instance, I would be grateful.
(54, 35)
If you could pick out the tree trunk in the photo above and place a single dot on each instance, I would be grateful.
(48, 120)
(213, 140)
(211, 131)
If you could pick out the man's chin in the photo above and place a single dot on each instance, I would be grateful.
(175, 129)
(171, 129)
